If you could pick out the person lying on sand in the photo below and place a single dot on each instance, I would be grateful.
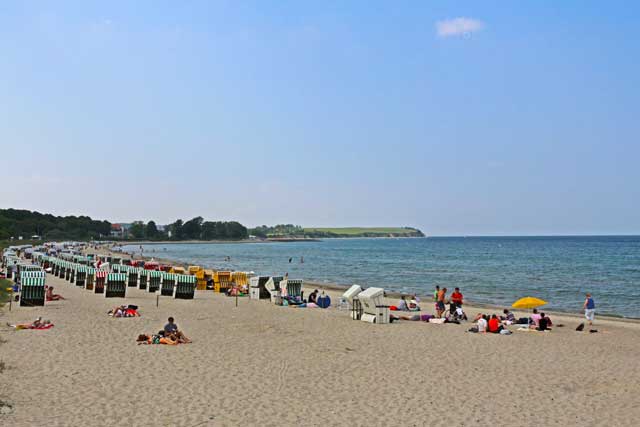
(124, 311)
(155, 339)
(36, 324)
(413, 318)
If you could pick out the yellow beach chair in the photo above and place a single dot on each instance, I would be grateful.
(177, 270)
(222, 281)
(240, 279)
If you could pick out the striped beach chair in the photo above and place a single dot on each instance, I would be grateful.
(101, 277)
(90, 279)
(67, 271)
(132, 276)
(116, 285)
(293, 287)
(222, 281)
(32, 292)
(168, 284)
(155, 278)
(143, 280)
(185, 286)
(81, 275)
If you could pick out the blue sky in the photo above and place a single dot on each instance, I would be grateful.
(461, 118)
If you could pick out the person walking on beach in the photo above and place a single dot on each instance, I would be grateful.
(589, 309)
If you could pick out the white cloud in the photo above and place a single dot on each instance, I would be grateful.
(458, 27)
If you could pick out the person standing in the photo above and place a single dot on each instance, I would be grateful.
(457, 297)
(442, 295)
(589, 309)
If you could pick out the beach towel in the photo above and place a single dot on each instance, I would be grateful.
(42, 327)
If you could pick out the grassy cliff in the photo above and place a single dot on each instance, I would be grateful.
(363, 232)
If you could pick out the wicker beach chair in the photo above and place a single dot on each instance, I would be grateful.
(168, 284)
(222, 281)
(132, 277)
(81, 275)
(143, 281)
(116, 285)
(32, 292)
(185, 286)
(101, 277)
(155, 278)
(90, 278)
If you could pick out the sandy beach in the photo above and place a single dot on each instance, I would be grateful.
(260, 364)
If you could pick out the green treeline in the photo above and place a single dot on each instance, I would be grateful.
(15, 222)
(22, 223)
(194, 229)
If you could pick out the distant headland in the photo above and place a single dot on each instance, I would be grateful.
(18, 224)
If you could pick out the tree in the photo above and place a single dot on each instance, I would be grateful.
(192, 229)
(137, 230)
(176, 230)
(235, 230)
(151, 230)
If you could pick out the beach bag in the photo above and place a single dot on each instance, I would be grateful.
(505, 332)
(324, 301)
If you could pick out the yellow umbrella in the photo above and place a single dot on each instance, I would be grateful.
(528, 302)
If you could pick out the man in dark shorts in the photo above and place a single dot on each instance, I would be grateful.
(442, 294)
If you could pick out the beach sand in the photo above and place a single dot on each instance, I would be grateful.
(260, 364)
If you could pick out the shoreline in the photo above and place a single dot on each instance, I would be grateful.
(426, 299)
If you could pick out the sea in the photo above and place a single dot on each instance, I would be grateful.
(488, 270)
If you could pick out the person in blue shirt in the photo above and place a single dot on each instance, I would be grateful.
(589, 309)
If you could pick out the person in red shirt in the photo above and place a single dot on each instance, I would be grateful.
(456, 297)
(494, 324)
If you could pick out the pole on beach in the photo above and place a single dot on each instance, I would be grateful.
(157, 298)
(236, 297)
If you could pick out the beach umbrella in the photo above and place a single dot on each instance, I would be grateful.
(528, 302)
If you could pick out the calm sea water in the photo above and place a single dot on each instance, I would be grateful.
(495, 270)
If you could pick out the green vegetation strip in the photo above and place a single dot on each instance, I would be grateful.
(5, 294)
(362, 230)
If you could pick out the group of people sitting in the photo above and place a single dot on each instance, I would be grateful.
(497, 324)
(169, 335)
(404, 305)
(124, 311)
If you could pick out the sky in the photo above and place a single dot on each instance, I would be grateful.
(456, 117)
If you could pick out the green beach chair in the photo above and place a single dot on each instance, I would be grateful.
(168, 284)
(143, 281)
(32, 292)
(116, 285)
(155, 277)
(133, 274)
(185, 286)
(81, 275)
